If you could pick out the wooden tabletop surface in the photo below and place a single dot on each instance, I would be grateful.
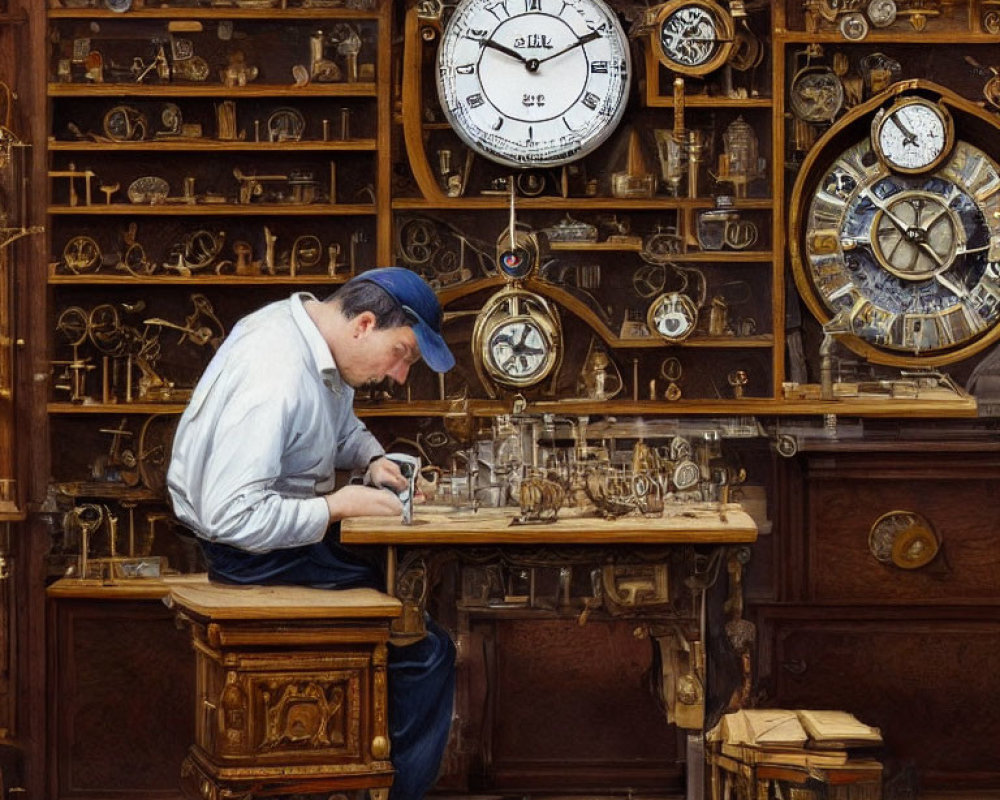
(697, 523)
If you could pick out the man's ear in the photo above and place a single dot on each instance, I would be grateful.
(363, 323)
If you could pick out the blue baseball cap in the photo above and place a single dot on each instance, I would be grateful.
(421, 305)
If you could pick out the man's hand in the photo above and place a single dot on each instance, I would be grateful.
(362, 501)
(385, 472)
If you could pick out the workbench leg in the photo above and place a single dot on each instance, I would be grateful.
(390, 570)
(695, 766)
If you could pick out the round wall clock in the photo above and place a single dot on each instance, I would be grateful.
(906, 254)
(913, 135)
(538, 83)
(693, 37)
(672, 316)
(517, 339)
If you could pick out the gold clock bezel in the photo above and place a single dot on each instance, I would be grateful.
(979, 127)
(724, 26)
(514, 304)
(677, 299)
(882, 118)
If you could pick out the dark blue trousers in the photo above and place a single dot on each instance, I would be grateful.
(421, 676)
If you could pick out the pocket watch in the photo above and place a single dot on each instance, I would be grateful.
(536, 83)
(517, 339)
(693, 37)
(882, 13)
(672, 316)
(913, 135)
(911, 260)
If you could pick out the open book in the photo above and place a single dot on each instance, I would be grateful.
(776, 728)
(765, 727)
(838, 729)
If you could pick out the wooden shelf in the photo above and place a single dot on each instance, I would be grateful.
(175, 145)
(920, 39)
(200, 279)
(708, 256)
(215, 210)
(957, 407)
(262, 15)
(114, 408)
(211, 90)
(570, 203)
(705, 101)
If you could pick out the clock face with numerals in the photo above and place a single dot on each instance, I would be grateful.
(533, 83)
(911, 261)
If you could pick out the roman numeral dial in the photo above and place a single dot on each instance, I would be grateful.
(533, 83)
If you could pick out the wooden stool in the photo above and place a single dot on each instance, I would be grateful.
(290, 690)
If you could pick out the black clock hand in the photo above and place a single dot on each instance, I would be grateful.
(578, 43)
(507, 51)
(908, 136)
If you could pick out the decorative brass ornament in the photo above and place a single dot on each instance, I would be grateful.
(904, 539)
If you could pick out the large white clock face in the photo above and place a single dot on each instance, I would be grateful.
(912, 136)
(531, 83)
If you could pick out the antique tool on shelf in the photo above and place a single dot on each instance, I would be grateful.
(740, 163)
(252, 186)
(72, 173)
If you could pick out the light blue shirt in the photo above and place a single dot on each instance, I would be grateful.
(268, 423)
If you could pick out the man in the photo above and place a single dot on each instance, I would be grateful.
(252, 470)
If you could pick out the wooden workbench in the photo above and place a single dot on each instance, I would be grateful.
(707, 523)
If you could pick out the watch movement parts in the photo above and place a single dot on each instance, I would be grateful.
(899, 235)
(692, 37)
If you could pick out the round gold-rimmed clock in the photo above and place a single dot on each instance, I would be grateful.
(693, 37)
(672, 316)
(533, 83)
(913, 135)
(517, 339)
(908, 260)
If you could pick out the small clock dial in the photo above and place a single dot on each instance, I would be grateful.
(693, 37)
(533, 83)
(912, 260)
(912, 136)
(518, 349)
(673, 316)
(517, 339)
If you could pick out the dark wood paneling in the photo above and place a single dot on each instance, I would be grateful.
(929, 682)
(847, 496)
(574, 709)
(122, 700)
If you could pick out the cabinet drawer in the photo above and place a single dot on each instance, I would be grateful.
(846, 498)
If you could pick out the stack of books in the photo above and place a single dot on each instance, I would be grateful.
(793, 738)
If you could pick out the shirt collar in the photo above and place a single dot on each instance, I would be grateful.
(318, 348)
